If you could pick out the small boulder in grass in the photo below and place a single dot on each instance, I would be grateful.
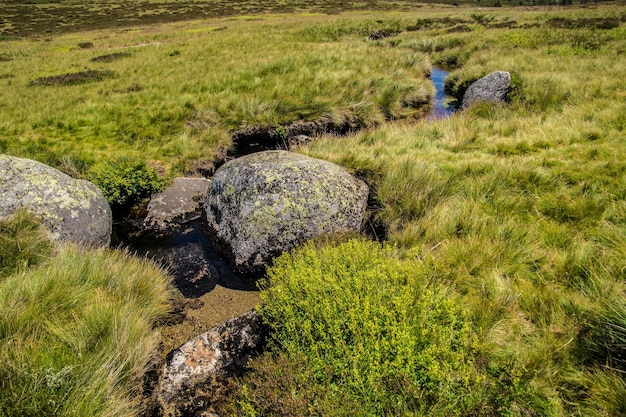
(494, 88)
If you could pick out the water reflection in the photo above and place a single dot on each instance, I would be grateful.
(443, 105)
(192, 261)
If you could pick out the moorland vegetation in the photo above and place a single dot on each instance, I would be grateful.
(500, 287)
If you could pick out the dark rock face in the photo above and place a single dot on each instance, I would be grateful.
(179, 203)
(494, 87)
(72, 210)
(200, 367)
(263, 204)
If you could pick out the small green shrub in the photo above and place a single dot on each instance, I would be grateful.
(23, 243)
(373, 334)
(125, 181)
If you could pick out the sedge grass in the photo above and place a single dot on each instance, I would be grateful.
(76, 332)
(519, 208)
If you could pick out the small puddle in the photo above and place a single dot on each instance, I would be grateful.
(443, 105)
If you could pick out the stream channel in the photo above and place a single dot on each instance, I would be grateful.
(211, 292)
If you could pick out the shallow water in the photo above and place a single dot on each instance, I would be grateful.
(212, 292)
(443, 105)
(191, 259)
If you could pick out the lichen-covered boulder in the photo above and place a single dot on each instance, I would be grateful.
(71, 210)
(194, 372)
(494, 87)
(264, 204)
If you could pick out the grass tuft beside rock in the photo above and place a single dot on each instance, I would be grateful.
(76, 330)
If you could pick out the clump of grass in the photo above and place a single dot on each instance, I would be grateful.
(23, 243)
(85, 45)
(73, 78)
(76, 333)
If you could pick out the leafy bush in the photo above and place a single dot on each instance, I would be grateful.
(125, 181)
(362, 328)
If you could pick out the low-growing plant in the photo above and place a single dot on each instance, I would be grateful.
(73, 78)
(125, 181)
(370, 328)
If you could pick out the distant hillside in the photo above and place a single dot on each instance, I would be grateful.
(25, 18)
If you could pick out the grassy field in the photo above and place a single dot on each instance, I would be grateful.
(501, 288)
(515, 211)
(172, 93)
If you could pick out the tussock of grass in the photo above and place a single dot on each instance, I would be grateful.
(76, 334)
(23, 243)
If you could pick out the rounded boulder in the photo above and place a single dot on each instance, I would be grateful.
(263, 204)
(494, 87)
(71, 210)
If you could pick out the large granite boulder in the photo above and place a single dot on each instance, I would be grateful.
(178, 204)
(494, 87)
(195, 372)
(72, 210)
(263, 204)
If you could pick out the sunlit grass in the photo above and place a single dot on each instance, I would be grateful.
(174, 92)
(519, 208)
(76, 331)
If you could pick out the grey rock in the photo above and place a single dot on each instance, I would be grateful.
(72, 210)
(263, 204)
(179, 203)
(494, 87)
(198, 368)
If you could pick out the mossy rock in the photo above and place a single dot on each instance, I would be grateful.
(71, 210)
(264, 204)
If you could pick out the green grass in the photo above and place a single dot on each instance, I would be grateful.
(177, 95)
(512, 217)
(76, 326)
(369, 330)
(519, 210)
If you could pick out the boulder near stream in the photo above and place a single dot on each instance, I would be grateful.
(70, 209)
(494, 87)
(263, 204)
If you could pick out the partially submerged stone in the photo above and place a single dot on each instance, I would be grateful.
(263, 204)
(494, 87)
(179, 203)
(70, 209)
(196, 370)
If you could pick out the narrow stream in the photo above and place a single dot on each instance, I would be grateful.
(212, 292)
(443, 105)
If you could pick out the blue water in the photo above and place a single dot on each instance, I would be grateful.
(443, 106)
